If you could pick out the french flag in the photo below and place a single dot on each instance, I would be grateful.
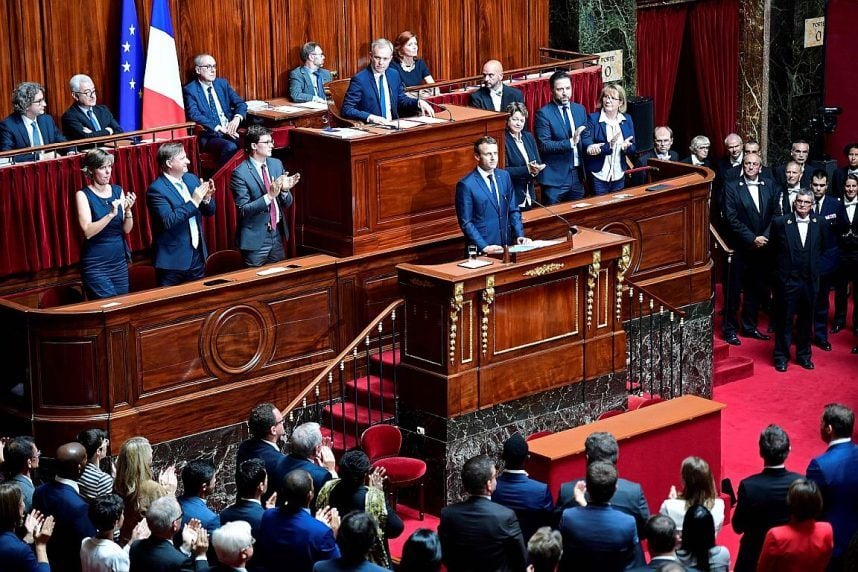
(162, 89)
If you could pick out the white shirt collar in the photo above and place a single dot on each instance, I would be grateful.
(69, 483)
(516, 471)
(781, 466)
(800, 220)
(173, 179)
(839, 441)
(605, 119)
(272, 443)
(205, 85)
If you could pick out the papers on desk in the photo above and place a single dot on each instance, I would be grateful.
(426, 120)
(287, 109)
(541, 243)
(581, 205)
(271, 270)
(345, 133)
(317, 105)
(476, 263)
(405, 123)
(256, 105)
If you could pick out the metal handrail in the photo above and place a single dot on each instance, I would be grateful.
(719, 240)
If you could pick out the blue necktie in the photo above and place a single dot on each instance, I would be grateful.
(566, 121)
(494, 189)
(212, 105)
(320, 88)
(382, 96)
(93, 120)
(37, 137)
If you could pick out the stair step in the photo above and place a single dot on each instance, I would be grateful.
(341, 444)
(377, 388)
(364, 416)
(387, 358)
(720, 350)
(732, 369)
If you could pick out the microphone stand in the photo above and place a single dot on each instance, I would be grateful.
(571, 230)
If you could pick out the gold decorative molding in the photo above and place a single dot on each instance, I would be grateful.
(592, 277)
(623, 264)
(455, 307)
(488, 300)
(544, 269)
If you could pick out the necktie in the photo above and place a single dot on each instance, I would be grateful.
(192, 222)
(817, 208)
(382, 97)
(212, 104)
(566, 121)
(93, 120)
(320, 88)
(272, 208)
(37, 137)
(494, 188)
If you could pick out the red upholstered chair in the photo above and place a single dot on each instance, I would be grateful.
(61, 296)
(381, 443)
(223, 261)
(538, 434)
(141, 277)
(651, 401)
(610, 413)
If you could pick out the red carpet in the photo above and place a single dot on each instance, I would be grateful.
(409, 518)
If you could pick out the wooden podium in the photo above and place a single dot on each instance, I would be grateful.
(476, 338)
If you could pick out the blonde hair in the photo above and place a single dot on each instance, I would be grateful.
(133, 466)
(616, 89)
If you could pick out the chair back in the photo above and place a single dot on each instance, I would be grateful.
(538, 434)
(380, 441)
(651, 401)
(141, 277)
(223, 261)
(60, 296)
(337, 89)
(610, 413)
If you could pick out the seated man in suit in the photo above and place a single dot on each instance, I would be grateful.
(60, 498)
(251, 480)
(662, 136)
(233, 544)
(307, 81)
(494, 94)
(212, 103)
(22, 460)
(478, 534)
(485, 203)
(28, 125)
(662, 538)
(311, 453)
(177, 203)
(85, 118)
(376, 94)
(529, 498)
(198, 482)
(262, 191)
(157, 553)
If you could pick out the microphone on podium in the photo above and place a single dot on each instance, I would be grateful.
(571, 230)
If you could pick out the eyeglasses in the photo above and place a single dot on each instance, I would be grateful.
(39, 100)
(266, 142)
(208, 67)
(800, 202)
(318, 54)
(87, 93)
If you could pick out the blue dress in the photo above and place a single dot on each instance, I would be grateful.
(104, 259)
(413, 77)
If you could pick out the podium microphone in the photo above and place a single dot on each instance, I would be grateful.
(571, 230)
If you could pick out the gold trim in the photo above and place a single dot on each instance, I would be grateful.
(488, 300)
(544, 269)
(592, 276)
(455, 308)
(623, 264)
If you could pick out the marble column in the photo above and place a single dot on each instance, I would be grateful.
(754, 70)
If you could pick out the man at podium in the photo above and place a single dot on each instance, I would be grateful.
(485, 203)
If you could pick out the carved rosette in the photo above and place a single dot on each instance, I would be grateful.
(455, 307)
(488, 300)
(592, 278)
(623, 264)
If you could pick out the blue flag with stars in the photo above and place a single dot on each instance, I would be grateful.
(130, 68)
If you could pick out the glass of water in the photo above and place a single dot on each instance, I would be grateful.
(472, 252)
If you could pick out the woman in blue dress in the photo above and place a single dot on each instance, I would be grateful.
(412, 70)
(105, 217)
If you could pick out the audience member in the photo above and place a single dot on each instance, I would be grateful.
(609, 140)
(266, 425)
(94, 482)
(597, 536)
(100, 553)
(662, 136)
(734, 156)
(177, 202)
(14, 553)
(251, 481)
(848, 244)
(22, 459)
(312, 453)
(350, 492)
(233, 544)
(558, 128)
(699, 148)
(85, 118)
(212, 103)
(835, 475)
(356, 538)
(544, 550)
(412, 70)
(749, 147)
(802, 545)
(421, 552)
(791, 187)
(478, 534)
(198, 481)
(61, 499)
(522, 156)
(28, 125)
(762, 498)
(307, 81)
(528, 498)
(662, 538)
(799, 152)
(289, 534)
(838, 180)
(698, 487)
(494, 94)
(157, 553)
(697, 547)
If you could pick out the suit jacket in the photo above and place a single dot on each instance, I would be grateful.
(362, 98)
(27, 489)
(657, 562)
(554, 144)
(71, 523)
(706, 162)
(301, 83)
(337, 565)
(482, 98)
(293, 540)
(516, 165)
(848, 244)
(838, 181)
(599, 537)
(244, 509)
(248, 191)
(14, 135)
(833, 222)
(785, 242)
(158, 555)
(597, 132)
(743, 220)
(834, 472)
(779, 175)
(74, 121)
(198, 110)
(761, 505)
(195, 507)
(528, 498)
(481, 218)
(320, 475)
(797, 547)
(480, 535)
(628, 498)
(644, 158)
(169, 214)
(17, 556)
(273, 458)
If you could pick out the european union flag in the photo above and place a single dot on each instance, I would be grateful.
(130, 68)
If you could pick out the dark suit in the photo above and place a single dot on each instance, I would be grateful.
(833, 222)
(706, 163)
(273, 458)
(599, 537)
(561, 178)
(482, 98)
(155, 554)
(362, 97)
(338, 565)
(480, 535)
(848, 245)
(516, 166)
(198, 110)
(482, 220)
(17, 556)
(259, 242)
(293, 540)
(74, 122)
(528, 498)
(628, 498)
(838, 181)
(249, 511)
(195, 507)
(169, 214)
(657, 562)
(27, 489)
(761, 505)
(834, 472)
(779, 175)
(644, 158)
(301, 83)
(320, 475)
(71, 523)
(14, 134)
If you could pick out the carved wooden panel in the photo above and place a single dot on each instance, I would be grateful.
(169, 355)
(425, 333)
(304, 325)
(667, 240)
(73, 360)
(435, 171)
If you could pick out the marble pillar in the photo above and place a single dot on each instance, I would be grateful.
(754, 70)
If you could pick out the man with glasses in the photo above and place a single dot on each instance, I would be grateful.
(266, 425)
(28, 125)
(21, 462)
(212, 103)
(307, 81)
(85, 118)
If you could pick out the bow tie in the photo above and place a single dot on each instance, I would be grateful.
(852, 172)
(851, 204)
(802, 220)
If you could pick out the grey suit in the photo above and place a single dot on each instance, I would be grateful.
(301, 83)
(27, 489)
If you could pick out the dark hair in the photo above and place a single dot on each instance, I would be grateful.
(544, 549)
(660, 532)
(698, 534)
(357, 534)
(105, 510)
(601, 446)
(10, 506)
(515, 451)
(308, 49)
(91, 439)
(850, 176)
(421, 552)
(698, 486)
(354, 467)
(17, 452)
(841, 419)
(253, 135)
(294, 489)
(484, 139)
(804, 500)
(601, 481)
(248, 476)
(774, 445)
(24, 94)
(196, 474)
(261, 420)
(557, 76)
(820, 174)
(848, 148)
(476, 473)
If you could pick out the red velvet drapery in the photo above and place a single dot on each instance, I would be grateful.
(659, 44)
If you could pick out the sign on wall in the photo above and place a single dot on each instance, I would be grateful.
(814, 32)
(612, 65)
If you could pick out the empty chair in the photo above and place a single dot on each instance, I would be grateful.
(223, 261)
(141, 277)
(60, 296)
(381, 443)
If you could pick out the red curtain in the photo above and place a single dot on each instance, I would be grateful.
(714, 28)
(659, 45)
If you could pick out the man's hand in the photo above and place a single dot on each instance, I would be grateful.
(203, 193)
(577, 136)
(44, 532)
(231, 128)
(189, 534)
(87, 130)
(140, 531)
(425, 108)
(329, 516)
(760, 241)
(202, 543)
(535, 168)
(580, 493)
(493, 249)
(288, 181)
(325, 458)
(378, 120)
(272, 501)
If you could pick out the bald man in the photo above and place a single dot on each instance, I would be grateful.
(494, 95)
(61, 499)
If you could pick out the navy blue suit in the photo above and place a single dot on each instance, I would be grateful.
(71, 523)
(14, 135)
(833, 222)
(247, 510)
(155, 554)
(834, 472)
(561, 179)
(598, 537)
(195, 507)
(169, 214)
(320, 475)
(293, 540)
(198, 110)
(17, 556)
(628, 498)
(481, 218)
(338, 565)
(597, 132)
(362, 98)
(528, 498)
(273, 458)
(301, 83)
(516, 166)
(74, 122)
(482, 98)
(478, 534)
